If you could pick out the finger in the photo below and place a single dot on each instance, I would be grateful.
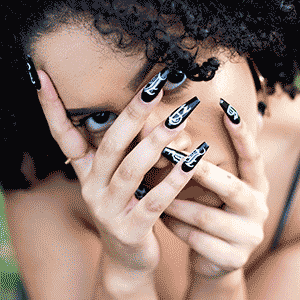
(138, 162)
(238, 196)
(148, 210)
(219, 252)
(141, 159)
(65, 134)
(216, 222)
(251, 165)
(126, 127)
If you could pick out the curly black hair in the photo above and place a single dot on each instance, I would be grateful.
(262, 30)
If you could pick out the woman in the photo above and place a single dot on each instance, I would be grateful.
(128, 91)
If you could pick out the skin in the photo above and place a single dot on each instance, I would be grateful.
(88, 74)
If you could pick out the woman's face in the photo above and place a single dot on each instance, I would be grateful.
(88, 74)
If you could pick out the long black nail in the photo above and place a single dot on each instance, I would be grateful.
(262, 107)
(141, 191)
(192, 160)
(153, 88)
(181, 113)
(172, 155)
(32, 73)
(230, 112)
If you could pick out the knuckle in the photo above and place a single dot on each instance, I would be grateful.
(255, 155)
(235, 188)
(252, 154)
(204, 170)
(86, 192)
(260, 203)
(133, 112)
(154, 205)
(236, 261)
(265, 212)
(108, 146)
(88, 195)
(203, 219)
(174, 182)
(155, 139)
(259, 237)
(126, 173)
(256, 235)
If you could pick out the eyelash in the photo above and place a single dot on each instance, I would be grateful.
(84, 121)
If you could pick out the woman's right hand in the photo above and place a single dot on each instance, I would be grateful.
(109, 179)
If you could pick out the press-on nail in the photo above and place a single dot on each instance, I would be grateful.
(181, 113)
(172, 155)
(230, 112)
(153, 88)
(192, 160)
(32, 73)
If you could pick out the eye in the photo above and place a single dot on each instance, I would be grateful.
(175, 79)
(98, 122)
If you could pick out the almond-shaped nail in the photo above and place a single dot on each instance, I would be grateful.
(230, 112)
(192, 160)
(181, 113)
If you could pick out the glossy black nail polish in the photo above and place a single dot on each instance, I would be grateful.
(141, 191)
(181, 113)
(192, 160)
(262, 107)
(172, 155)
(153, 88)
(32, 73)
(230, 112)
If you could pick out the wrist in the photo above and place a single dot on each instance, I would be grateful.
(121, 281)
(229, 286)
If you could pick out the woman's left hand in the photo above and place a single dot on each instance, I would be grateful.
(223, 240)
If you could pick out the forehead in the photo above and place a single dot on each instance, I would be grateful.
(83, 67)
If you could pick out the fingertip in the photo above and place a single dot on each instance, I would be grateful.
(47, 88)
(42, 77)
(230, 125)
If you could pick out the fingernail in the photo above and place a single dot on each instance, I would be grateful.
(141, 191)
(172, 155)
(262, 107)
(153, 88)
(192, 160)
(181, 113)
(32, 73)
(230, 112)
(175, 79)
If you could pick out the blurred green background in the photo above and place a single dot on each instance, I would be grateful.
(10, 283)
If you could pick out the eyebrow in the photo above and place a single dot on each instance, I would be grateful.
(133, 85)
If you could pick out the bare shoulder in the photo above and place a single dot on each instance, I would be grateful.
(57, 255)
(277, 275)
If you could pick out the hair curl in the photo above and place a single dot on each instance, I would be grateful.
(264, 30)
